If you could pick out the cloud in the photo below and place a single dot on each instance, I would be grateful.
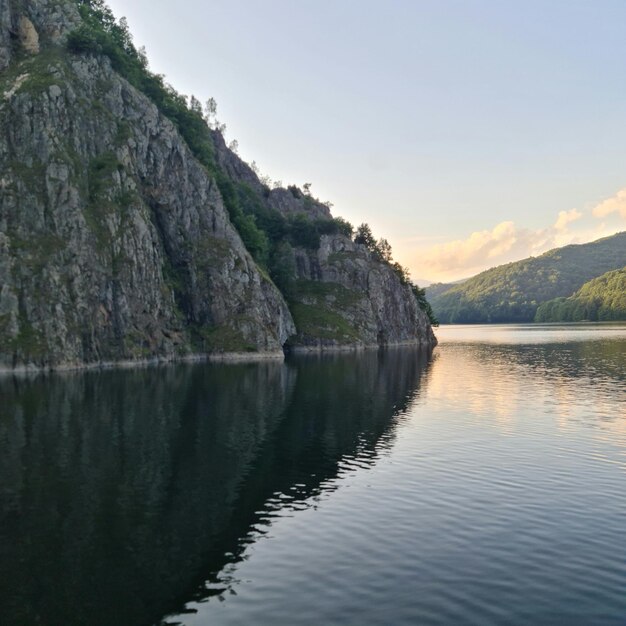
(504, 243)
(615, 204)
(507, 242)
(480, 245)
(567, 217)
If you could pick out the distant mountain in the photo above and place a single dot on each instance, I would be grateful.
(513, 292)
(436, 289)
(422, 282)
(601, 299)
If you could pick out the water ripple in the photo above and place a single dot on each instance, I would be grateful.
(498, 498)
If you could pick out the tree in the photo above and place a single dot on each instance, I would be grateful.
(383, 249)
(210, 113)
(420, 296)
(343, 226)
(195, 105)
(364, 237)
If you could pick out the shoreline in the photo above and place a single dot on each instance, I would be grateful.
(124, 364)
(225, 357)
(321, 348)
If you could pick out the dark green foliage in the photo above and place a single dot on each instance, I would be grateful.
(513, 292)
(344, 227)
(599, 300)
(319, 322)
(220, 339)
(275, 228)
(244, 221)
(295, 191)
(364, 237)
(100, 170)
(282, 268)
(420, 296)
(381, 250)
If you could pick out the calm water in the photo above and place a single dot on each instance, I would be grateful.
(482, 484)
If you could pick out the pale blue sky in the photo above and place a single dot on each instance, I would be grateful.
(431, 120)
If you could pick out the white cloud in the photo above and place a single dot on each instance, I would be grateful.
(615, 204)
(479, 246)
(508, 242)
(504, 243)
(567, 217)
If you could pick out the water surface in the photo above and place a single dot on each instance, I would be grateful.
(481, 484)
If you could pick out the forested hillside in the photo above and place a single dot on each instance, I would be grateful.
(601, 299)
(513, 292)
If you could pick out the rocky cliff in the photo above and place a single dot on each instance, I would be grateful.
(342, 296)
(116, 242)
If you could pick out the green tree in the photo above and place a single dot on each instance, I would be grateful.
(364, 237)
(383, 249)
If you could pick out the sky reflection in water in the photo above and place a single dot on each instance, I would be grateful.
(482, 484)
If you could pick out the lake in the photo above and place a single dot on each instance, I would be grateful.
(482, 483)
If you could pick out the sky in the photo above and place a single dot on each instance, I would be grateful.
(468, 133)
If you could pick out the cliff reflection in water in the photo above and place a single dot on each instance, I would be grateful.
(122, 493)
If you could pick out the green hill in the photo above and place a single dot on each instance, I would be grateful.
(601, 299)
(513, 292)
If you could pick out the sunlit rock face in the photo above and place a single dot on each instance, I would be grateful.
(29, 37)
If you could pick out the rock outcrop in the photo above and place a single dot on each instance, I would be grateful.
(25, 24)
(115, 242)
(345, 296)
(28, 36)
(5, 34)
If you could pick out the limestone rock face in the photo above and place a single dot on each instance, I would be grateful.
(53, 19)
(32, 23)
(29, 38)
(5, 33)
(293, 202)
(346, 296)
(114, 241)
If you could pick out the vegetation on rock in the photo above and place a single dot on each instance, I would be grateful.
(263, 230)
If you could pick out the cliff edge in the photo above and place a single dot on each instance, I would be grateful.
(121, 239)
